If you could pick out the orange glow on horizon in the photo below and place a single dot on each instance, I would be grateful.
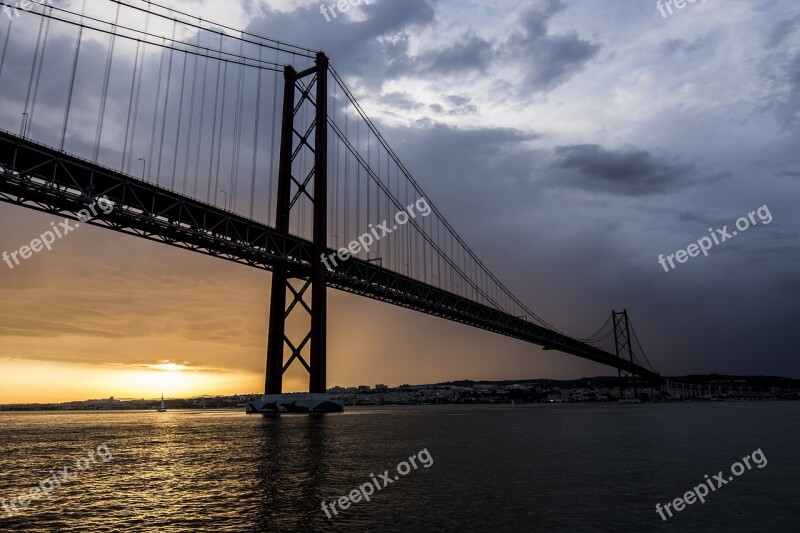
(48, 381)
(135, 319)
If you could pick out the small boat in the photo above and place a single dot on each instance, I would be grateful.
(162, 408)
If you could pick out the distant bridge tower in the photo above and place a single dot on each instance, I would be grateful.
(624, 348)
(295, 138)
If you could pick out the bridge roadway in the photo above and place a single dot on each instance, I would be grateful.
(45, 179)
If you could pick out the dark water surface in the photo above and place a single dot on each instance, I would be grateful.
(495, 468)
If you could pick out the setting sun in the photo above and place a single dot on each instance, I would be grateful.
(170, 367)
(49, 381)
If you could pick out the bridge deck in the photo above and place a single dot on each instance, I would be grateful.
(43, 178)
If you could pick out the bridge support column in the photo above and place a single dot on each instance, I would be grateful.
(294, 188)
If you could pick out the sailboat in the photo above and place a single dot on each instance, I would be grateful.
(162, 408)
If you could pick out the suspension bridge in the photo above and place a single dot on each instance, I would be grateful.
(241, 147)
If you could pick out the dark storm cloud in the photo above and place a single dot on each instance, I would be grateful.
(781, 30)
(465, 154)
(400, 101)
(551, 59)
(375, 49)
(781, 71)
(632, 172)
(472, 174)
(790, 173)
(463, 110)
(454, 106)
(470, 53)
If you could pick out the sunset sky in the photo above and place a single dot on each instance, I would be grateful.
(570, 143)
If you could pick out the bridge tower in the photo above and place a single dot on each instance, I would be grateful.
(624, 348)
(289, 286)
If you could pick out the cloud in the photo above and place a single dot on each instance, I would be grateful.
(374, 47)
(470, 53)
(400, 100)
(672, 46)
(445, 154)
(781, 30)
(552, 59)
(789, 174)
(629, 172)
(453, 105)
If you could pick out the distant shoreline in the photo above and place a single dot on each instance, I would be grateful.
(603, 389)
(4, 410)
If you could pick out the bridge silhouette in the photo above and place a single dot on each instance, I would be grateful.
(250, 150)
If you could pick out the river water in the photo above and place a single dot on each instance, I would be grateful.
(590, 467)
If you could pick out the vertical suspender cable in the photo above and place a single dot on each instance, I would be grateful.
(272, 170)
(25, 115)
(345, 234)
(139, 66)
(221, 130)
(155, 110)
(202, 127)
(102, 114)
(237, 132)
(358, 180)
(439, 256)
(255, 136)
(39, 74)
(5, 46)
(243, 71)
(191, 121)
(378, 197)
(180, 120)
(336, 157)
(72, 79)
(425, 254)
(166, 102)
(388, 206)
(214, 127)
(393, 242)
